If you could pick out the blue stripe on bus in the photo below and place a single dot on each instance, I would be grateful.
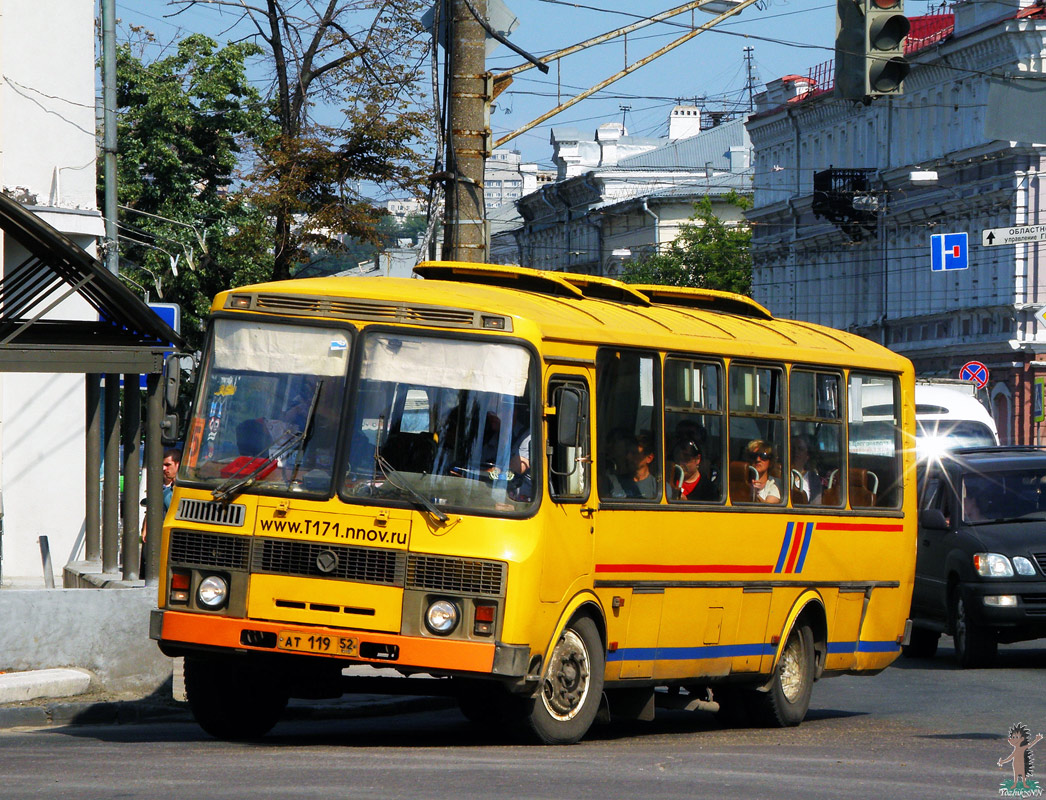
(731, 650)
(806, 546)
(784, 547)
(689, 653)
(863, 647)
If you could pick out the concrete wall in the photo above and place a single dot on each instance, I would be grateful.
(47, 161)
(105, 631)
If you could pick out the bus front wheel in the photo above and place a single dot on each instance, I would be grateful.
(787, 700)
(231, 699)
(572, 687)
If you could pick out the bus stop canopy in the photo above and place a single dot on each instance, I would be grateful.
(126, 337)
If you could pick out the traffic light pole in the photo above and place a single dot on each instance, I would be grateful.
(468, 140)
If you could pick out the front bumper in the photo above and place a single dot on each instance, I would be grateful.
(1029, 614)
(177, 630)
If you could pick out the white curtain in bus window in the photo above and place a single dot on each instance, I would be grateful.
(874, 441)
(280, 349)
(446, 363)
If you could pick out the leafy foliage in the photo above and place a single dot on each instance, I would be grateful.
(343, 76)
(707, 253)
(184, 121)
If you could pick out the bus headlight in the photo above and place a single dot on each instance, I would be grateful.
(442, 617)
(212, 592)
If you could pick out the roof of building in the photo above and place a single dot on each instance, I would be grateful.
(709, 148)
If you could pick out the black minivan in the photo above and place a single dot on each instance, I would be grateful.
(980, 571)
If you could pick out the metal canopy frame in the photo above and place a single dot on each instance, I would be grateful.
(128, 336)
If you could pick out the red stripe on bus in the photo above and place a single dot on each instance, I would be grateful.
(796, 541)
(859, 526)
(684, 568)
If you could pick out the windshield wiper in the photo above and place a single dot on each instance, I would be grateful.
(396, 478)
(237, 482)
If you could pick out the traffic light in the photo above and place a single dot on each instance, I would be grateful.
(869, 48)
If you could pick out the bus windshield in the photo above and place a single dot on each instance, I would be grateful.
(448, 420)
(267, 413)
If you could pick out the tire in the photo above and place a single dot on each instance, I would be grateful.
(234, 699)
(787, 700)
(921, 644)
(974, 644)
(572, 687)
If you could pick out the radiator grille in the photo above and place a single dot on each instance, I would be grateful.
(231, 514)
(376, 310)
(1040, 559)
(468, 576)
(316, 560)
(209, 549)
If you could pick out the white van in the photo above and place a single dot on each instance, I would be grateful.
(947, 416)
(950, 416)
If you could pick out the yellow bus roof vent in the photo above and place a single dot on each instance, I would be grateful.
(705, 299)
(510, 277)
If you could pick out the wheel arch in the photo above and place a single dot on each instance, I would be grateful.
(808, 609)
(583, 604)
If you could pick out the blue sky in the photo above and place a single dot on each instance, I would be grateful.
(788, 36)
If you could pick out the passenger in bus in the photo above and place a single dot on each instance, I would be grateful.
(634, 457)
(688, 481)
(760, 454)
(804, 477)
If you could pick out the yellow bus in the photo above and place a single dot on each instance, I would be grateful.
(543, 493)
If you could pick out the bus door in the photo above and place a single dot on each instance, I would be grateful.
(568, 518)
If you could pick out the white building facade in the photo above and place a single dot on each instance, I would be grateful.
(917, 165)
(47, 162)
(594, 219)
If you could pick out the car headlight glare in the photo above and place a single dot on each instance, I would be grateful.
(1023, 566)
(992, 565)
(1001, 600)
(212, 592)
(442, 617)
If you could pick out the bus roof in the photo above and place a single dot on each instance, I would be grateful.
(559, 307)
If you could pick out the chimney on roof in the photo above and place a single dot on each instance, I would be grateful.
(684, 122)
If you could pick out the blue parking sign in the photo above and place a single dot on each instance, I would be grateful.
(949, 251)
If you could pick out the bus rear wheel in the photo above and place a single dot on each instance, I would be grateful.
(572, 687)
(232, 698)
(787, 700)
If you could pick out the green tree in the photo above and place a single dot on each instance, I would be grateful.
(344, 75)
(707, 253)
(184, 123)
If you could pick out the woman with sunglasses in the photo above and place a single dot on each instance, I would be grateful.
(765, 489)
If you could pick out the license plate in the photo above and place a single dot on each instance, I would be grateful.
(303, 642)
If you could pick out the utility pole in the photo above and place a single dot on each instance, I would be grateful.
(110, 249)
(750, 84)
(468, 141)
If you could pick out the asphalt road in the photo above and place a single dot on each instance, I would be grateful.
(920, 729)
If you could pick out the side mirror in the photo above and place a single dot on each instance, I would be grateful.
(172, 375)
(932, 519)
(570, 416)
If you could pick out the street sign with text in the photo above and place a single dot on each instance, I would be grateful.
(1015, 234)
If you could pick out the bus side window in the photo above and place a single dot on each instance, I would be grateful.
(569, 458)
(628, 421)
(694, 430)
(874, 473)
